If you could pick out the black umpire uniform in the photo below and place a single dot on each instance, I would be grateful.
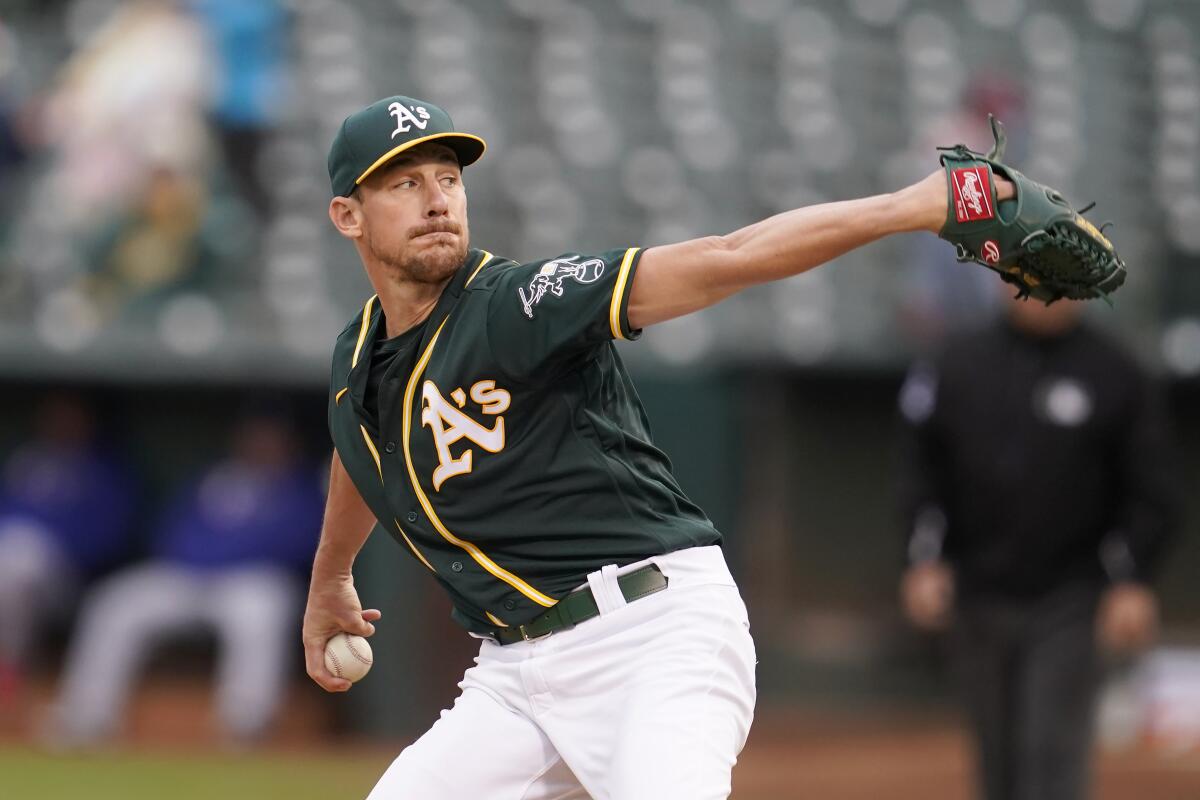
(1037, 470)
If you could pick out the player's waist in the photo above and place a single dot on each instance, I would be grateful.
(611, 586)
(691, 566)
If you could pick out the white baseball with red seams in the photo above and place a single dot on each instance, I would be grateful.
(348, 656)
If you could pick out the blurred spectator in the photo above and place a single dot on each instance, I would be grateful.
(131, 100)
(155, 250)
(229, 556)
(65, 507)
(1039, 499)
(128, 107)
(249, 42)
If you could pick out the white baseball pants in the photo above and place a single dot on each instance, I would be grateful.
(37, 584)
(652, 700)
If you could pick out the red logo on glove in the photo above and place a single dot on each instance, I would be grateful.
(991, 251)
(972, 194)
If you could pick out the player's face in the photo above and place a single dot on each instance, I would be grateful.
(414, 215)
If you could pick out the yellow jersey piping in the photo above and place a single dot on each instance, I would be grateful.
(413, 547)
(480, 558)
(614, 308)
(374, 452)
(486, 258)
(362, 330)
(379, 466)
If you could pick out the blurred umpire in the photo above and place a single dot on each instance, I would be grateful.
(1039, 497)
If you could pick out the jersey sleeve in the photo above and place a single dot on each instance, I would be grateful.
(546, 312)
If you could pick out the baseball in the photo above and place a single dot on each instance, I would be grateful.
(348, 656)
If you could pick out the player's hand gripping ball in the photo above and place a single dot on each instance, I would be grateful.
(1036, 240)
(348, 656)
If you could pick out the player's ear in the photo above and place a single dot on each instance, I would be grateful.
(346, 215)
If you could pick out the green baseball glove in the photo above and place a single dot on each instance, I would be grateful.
(1034, 240)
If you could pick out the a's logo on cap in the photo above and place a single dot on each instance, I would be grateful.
(404, 115)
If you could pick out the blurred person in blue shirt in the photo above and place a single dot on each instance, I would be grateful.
(65, 508)
(229, 557)
(249, 43)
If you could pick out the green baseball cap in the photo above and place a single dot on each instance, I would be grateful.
(370, 138)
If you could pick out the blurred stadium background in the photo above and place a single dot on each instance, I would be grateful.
(165, 253)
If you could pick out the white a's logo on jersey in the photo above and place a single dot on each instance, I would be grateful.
(405, 116)
(449, 425)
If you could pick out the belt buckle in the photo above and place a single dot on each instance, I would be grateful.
(526, 637)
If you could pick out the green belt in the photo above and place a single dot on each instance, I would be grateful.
(580, 605)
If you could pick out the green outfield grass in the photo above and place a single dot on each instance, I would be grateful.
(184, 776)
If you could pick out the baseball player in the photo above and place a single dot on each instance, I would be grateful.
(482, 417)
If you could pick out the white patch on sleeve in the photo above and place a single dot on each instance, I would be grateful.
(549, 279)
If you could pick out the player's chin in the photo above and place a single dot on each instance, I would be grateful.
(438, 262)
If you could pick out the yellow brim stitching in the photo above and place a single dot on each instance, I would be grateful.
(400, 148)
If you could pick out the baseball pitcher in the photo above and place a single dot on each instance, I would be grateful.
(482, 417)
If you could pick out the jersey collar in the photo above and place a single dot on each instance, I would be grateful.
(371, 328)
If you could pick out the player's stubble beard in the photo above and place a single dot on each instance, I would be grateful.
(428, 265)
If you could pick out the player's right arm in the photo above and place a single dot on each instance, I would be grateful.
(333, 604)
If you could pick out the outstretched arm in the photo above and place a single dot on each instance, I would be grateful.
(333, 604)
(678, 279)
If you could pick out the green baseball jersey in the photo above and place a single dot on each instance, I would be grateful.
(505, 446)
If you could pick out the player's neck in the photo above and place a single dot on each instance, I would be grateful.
(406, 304)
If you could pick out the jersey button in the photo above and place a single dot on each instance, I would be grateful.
(390, 447)
(456, 566)
(510, 604)
(412, 516)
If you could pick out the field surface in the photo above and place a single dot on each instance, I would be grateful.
(783, 761)
(178, 776)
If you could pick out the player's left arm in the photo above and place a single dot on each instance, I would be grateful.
(674, 280)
